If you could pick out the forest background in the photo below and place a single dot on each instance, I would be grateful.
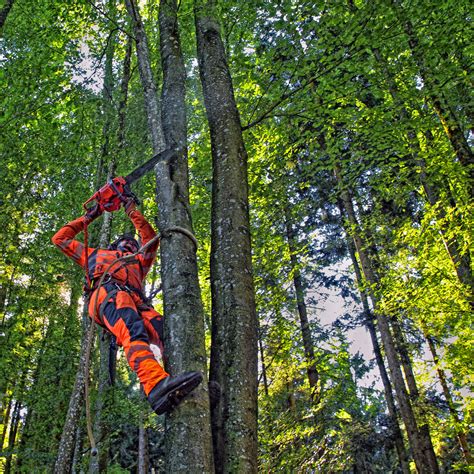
(342, 146)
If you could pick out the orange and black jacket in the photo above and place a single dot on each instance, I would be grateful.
(131, 274)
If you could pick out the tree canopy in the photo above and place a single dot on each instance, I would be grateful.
(349, 131)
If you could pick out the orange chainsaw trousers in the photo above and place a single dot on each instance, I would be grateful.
(135, 326)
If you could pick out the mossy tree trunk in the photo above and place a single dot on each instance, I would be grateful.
(188, 435)
(234, 323)
(387, 385)
(419, 439)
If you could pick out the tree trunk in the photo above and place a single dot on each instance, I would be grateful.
(387, 385)
(65, 454)
(262, 362)
(99, 463)
(15, 421)
(420, 411)
(126, 74)
(6, 295)
(4, 13)
(312, 371)
(441, 107)
(77, 456)
(142, 447)
(234, 351)
(5, 419)
(188, 436)
(3, 298)
(462, 437)
(146, 75)
(423, 453)
(405, 359)
(461, 262)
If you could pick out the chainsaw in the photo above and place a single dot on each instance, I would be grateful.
(117, 190)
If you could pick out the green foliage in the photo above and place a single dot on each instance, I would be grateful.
(317, 86)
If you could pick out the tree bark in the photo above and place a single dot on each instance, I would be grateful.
(77, 455)
(423, 453)
(4, 13)
(312, 371)
(234, 351)
(142, 447)
(63, 464)
(188, 436)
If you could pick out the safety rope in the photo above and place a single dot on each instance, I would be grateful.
(90, 335)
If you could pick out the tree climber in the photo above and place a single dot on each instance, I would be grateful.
(121, 306)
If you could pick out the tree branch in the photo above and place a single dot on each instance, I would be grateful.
(104, 14)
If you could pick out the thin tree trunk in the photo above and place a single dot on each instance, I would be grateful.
(462, 437)
(76, 459)
(5, 419)
(234, 349)
(262, 362)
(312, 371)
(3, 298)
(99, 463)
(29, 418)
(405, 359)
(4, 13)
(146, 75)
(387, 385)
(15, 420)
(142, 447)
(441, 107)
(188, 435)
(126, 74)
(106, 366)
(410, 379)
(461, 262)
(423, 453)
(6, 296)
(65, 454)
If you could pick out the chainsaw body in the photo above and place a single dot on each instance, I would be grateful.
(117, 190)
(112, 195)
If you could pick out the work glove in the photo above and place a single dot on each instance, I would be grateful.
(92, 214)
(129, 205)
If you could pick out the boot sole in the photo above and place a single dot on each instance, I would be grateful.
(175, 396)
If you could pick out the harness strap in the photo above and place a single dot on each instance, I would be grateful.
(110, 294)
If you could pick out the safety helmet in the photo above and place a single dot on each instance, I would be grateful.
(125, 243)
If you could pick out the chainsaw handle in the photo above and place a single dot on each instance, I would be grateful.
(92, 198)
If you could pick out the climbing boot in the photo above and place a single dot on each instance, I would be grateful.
(169, 392)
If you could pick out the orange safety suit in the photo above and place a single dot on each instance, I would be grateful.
(123, 308)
